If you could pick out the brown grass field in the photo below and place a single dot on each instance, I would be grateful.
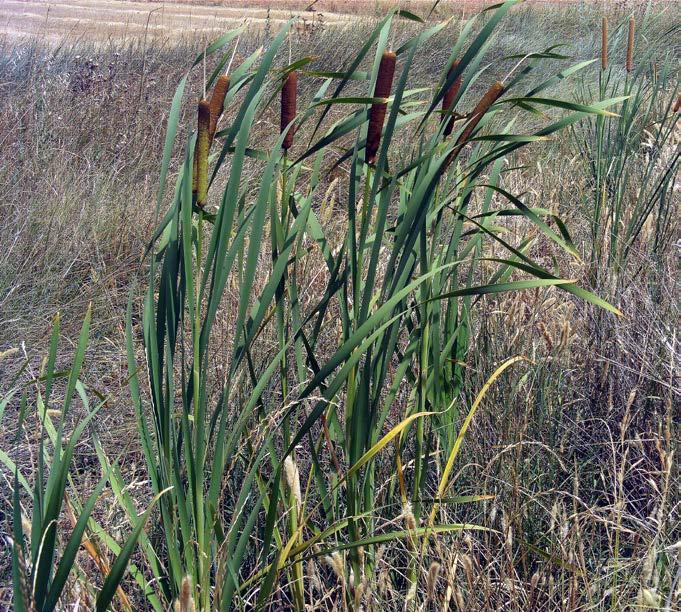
(103, 19)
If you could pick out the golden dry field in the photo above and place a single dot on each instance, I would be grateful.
(103, 19)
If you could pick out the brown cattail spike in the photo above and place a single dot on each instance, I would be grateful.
(604, 44)
(202, 146)
(217, 102)
(492, 95)
(677, 106)
(289, 93)
(450, 96)
(630, 45)
(384, 83)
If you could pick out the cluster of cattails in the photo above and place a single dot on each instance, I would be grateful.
(209, 113)
(384, 83)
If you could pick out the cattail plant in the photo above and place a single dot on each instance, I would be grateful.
(289, 93)
(384, 83)
(202, 146)
(604, 44)
(630, 45)
(450, 97)
(217, 102)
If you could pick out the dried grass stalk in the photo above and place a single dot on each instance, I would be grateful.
(630, 45)
(384, 83)
(202, 146)
(217, 102)
(450, 97)
(604, 44)
(289, 93)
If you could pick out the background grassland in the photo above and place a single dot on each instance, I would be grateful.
(579, 447)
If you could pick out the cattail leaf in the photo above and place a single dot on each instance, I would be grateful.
(384, 441)
(357, 75)
(217, 44)
(115, 575)
(304, 61)
(77, 361)
(415, 533)
(71, 549)
(171, 132)
(408, 15)
(12, 467)
(597, 108)
(561, 241)
(19, 568)
(453, 453)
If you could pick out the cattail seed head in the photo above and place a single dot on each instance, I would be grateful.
(677, 106)
(217, 102)
(604, 44)
(450, 96)
(490, 97)
(335, 562)
(384, 83)
(202, 146)
(289, 94)
(431, 582)
(186, 600)
(630, 45)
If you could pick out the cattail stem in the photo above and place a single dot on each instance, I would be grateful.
(604, 44)
(492, 95)
(289, 93)
(384, 83)
(202, 146)
(450, 97)
(217, 102)
(630, 45)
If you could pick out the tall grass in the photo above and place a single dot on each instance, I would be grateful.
(289, 420)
